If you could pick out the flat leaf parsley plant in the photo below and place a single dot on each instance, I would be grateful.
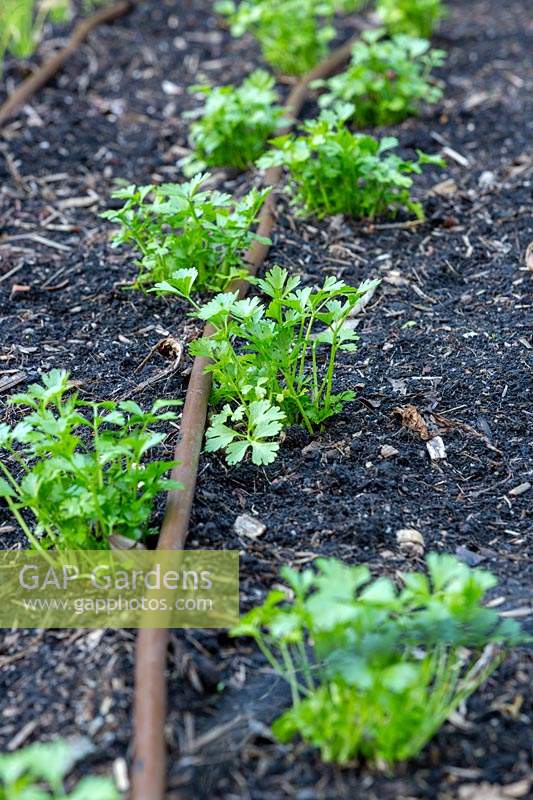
(387, 80)
(272, 363)
(175, 225)
(234, 124)
(79, 467)
(293, 34)
(374, 670)
(22, 22)
(38, 772)
(415, 17)
(335, 171)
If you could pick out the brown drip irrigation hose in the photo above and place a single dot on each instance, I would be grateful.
(39, 78)
(149, 759)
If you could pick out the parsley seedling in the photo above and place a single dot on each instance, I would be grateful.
(375, 671)
(293, 34)
(414, 17)
(22, 21)
(234, 124)
(78, 466)
(37, 772)
(387, 80)
(273, 363)
(175, 225)
(334, 171)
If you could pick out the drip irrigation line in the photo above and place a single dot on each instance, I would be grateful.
(46, 72)
(149, 750)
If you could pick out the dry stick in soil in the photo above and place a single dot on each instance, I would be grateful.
(149, 762)
(38, 79)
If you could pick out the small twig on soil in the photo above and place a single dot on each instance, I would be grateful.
(169, 348)
(11, 272)
(20, 737)
(412, 223)
(453, 423)
(8, 382)
(5, 660)
(35, 237)
(213, 734)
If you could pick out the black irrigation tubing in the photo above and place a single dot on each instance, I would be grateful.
(150, 702)
(46, 72)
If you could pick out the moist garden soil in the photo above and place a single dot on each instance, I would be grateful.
(447, 332)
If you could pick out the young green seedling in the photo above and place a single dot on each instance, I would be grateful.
(234, 124)
(293, 34)
(175, 225)
(375, 670)
(414, 17)
(22, 21)
(387, 80)
(37, 772)
(272, 364)
(79, 467)
(335, 171)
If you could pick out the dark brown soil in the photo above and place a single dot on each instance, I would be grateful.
(448, 331)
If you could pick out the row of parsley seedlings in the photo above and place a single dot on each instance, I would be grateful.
(374, 671)
(83, 494)
(266, 372)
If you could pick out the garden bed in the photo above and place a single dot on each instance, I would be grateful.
(447, 332)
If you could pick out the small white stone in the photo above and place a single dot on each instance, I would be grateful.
(487, 180)
(246, 525)
(170, 88)
(387, 451)
(120, 773)
(436, 448)
(411, 541)
(518, 490)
